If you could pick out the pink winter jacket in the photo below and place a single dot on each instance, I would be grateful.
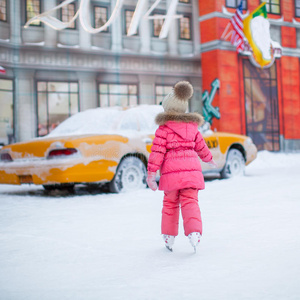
(176, 147)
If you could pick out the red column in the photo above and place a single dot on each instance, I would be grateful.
(223, 65)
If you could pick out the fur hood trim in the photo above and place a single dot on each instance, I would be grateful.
(164, 117)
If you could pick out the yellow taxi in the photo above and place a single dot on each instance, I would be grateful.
(108, 146)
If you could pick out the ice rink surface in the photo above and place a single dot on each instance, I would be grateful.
(102, 246)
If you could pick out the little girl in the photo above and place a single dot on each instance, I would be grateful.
(176, 147)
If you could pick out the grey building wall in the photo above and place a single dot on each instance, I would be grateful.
(42, 53)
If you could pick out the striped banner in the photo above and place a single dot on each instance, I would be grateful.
(2, 70)
(237, 38)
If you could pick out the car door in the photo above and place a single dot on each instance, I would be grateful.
(212, 142)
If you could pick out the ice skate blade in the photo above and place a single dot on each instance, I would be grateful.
(170, 249)
(195, 249)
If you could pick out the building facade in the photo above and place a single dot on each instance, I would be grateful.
(52, 74)
(263, 103)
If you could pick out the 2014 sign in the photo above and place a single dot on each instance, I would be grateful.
(84, 17)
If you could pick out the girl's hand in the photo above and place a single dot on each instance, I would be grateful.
(212, 163)
(151, 181)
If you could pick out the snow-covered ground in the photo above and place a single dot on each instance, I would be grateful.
(108, 246)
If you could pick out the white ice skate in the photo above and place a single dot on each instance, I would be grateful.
(194, 238)
(169, 241)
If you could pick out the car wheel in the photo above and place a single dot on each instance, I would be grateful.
(130, 176)
(235, 164)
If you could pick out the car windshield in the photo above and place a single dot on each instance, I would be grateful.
(109, 120)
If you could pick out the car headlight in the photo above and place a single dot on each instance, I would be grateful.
(249, 141)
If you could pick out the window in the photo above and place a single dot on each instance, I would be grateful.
(67, 13)
(185, 28)
(236, 3)
(3, 11)
(273, 6)
(128, 18)
(56, 102)
(157, 25)
(6, 112)
(261, 106)
(297, 8)
(117, 95)
(100, 17)
(33, 8)
(161, 91)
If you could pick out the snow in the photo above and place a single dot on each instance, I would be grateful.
(108, 246)
(59, 45)
(110, 120)
(35, 44)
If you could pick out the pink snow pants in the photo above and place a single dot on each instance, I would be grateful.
(188, 200)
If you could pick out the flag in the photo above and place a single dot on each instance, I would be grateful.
(257, 32)
(2, 70)
(237, 38)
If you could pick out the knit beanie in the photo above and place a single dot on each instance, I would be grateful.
(177, 100)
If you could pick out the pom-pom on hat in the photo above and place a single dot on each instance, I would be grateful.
(177, 100)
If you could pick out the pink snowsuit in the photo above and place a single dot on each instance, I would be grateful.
(176, 149)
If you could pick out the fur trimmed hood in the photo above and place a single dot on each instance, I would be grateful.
(164, 117)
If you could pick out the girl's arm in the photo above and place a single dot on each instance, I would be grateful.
(202, 149)
(158, 150)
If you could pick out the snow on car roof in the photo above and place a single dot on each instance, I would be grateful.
(109, 120)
